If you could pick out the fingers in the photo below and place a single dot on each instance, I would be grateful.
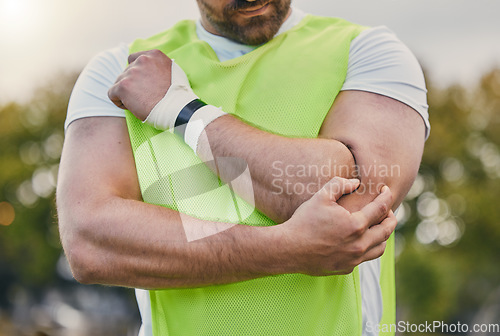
(374, 240)
(153, 53)
(375, 252)
(133, 76)
(134, 56)
(113, 96)
(375, 211)
(114, 92)
(336, 187)
(378, 234)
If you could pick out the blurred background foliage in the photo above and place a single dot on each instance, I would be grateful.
(37, 293)
(447, 242)
(448, 233)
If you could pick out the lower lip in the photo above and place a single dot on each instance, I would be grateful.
(256, 12)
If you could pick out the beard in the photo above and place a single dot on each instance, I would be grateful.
(253, 30)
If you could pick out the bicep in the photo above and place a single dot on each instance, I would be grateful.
(97, 163)
(386, 138)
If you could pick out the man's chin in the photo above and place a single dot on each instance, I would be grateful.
(253, 29)
(257, 30)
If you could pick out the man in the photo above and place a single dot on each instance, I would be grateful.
(303, 92)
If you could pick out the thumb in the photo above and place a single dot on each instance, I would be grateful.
(338, 186)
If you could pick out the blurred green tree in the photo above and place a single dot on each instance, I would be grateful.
(31, 135)
(448, 236)
(37, 292)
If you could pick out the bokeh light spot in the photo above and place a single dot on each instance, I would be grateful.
(427, 232)
(452, 170)
(7, 213)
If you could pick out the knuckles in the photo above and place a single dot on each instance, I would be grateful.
(358, 250)
(387, 234)
(382, 208)
(358, 225)
(157, 53)
(382, 248)
(143, 59)
(152, 56)
(123, 86)
(359, 229)
(389, 227)
(133, 71)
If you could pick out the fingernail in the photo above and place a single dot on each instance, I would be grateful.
(384, 189)
(354, 180)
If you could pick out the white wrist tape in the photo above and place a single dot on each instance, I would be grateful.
(164, 114)
(199, 120)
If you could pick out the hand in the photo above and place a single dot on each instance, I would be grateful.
(328, 240)
(143, 83)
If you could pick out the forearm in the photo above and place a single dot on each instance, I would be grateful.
(111, 237)
(285, 171)
(134, 244)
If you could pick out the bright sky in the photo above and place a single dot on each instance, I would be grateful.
(455, 40)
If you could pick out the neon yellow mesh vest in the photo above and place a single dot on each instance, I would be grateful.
(286, 86)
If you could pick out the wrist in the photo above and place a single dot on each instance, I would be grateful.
(286, 257)
(181, 111)
(179, 94)
(196, 123)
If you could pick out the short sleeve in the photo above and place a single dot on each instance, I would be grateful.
(89, 97)
(380, 63)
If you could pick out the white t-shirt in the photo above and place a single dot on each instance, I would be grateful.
(378, 62)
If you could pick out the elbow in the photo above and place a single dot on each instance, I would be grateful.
(81, 265)
(80, 250)
(79, 257)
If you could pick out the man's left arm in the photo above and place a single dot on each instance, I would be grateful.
(383, 136)
(386, 138)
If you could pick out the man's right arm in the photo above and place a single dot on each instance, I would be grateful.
(111, 237)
